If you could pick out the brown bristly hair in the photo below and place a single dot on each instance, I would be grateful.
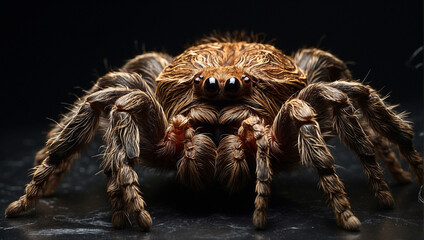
(276, 76)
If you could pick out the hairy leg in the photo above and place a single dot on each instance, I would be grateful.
(139, 132)
(118, 164)
(383, 150)
(253, 131)
(119, 208)
(321, 66)
(131, 137)
(69, 142)
(149, 65)
(62, 149)
(297, 118)
(384, 121)
(329, 101)
(65, 147)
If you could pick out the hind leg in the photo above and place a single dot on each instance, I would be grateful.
(65, 147)
(383, 150)
(336, 105)
(321, 66)
(62, 150)
(149, 65)
(384, 121)
(64, 166)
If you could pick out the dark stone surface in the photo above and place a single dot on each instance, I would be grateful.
(79, 209)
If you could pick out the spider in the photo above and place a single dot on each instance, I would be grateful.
(227, 110)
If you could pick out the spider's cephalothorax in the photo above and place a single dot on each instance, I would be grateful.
(229, 111)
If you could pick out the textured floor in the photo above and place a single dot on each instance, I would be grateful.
(80, 209)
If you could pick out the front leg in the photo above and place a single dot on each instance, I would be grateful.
(139, 132)
(254, 131)
(239, 154)
(236, 157)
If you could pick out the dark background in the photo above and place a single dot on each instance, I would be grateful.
(49, 49)
(52, 50)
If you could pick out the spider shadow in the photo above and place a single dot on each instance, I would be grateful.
(162, 190)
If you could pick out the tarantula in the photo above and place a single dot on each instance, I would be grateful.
(228, 110)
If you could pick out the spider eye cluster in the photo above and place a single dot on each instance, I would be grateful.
(212, 86)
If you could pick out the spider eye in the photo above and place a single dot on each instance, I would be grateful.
(197, 80)
(245, 79)
(232, 85)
